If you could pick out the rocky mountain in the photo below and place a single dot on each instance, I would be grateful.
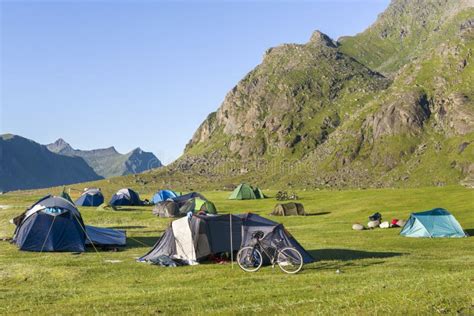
(390, 106)
(108, 162)
(29, 165)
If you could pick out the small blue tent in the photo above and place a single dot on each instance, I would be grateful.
(163, 195)
(435, 223)
(125, 197)
(51, 224)
(91, 197)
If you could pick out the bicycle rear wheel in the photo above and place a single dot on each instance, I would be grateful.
(249, 259)
(290, 260)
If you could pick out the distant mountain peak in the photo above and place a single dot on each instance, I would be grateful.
(319, 38)
(60, 145)
(137, 150)
(108, 162)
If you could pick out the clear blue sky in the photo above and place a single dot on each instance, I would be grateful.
(147, 73)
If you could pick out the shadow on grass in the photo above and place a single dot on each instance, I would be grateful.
(349, 254)
(130, 209)
(469, 231)
(317, 214)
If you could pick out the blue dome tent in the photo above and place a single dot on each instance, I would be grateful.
(91, 197)
(435, 223)
(163, 195)
(125, 197)
(51, 224)
(55, 224)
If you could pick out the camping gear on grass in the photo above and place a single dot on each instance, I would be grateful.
(358, 226)
(196, 238)
(163, 195)
(288, 209)
(401, 222)
(246, 192)
(375, 217)
(284, 196)
(435, 223)
(373, 224)
(385, 224)
(55, 224)
(90, 197)
(126, 197)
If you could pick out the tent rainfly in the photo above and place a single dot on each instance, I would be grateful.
(246, 192)
(125, 197)
(435, 223)
(163, 195)
(55, 224)
(91, 197)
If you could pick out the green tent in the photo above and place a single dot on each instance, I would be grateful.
(208, 207)
(245, 192)
(198, 203)
(435, 223)
(258, 193)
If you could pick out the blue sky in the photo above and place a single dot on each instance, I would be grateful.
(143, 73)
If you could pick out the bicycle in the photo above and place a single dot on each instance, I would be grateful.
(250, 258)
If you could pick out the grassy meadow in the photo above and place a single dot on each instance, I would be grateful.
(380, 271)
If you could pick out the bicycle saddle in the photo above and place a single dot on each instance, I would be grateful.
(258, 234)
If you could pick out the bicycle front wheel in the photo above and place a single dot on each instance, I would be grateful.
(290, 260)
(249, 259)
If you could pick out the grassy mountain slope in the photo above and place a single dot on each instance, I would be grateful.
(28, 165)
(403, 32)
(108, 162)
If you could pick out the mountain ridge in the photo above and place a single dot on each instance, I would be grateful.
(26, 164)
(108, 162)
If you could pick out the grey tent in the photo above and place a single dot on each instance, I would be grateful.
(166, 209)
(194, 239)
(183, 198)
(288, 209)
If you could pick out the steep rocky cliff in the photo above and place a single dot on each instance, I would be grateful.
(390, 106)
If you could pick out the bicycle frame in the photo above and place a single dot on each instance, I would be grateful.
(273, 258)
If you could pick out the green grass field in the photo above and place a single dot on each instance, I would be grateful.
(381, 272)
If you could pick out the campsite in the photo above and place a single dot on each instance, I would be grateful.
(237, 157)
(358, 272)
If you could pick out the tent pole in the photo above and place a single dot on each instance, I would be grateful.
(231, 244)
